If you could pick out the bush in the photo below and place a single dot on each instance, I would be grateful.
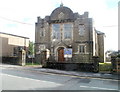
(118, 55)
(105, 66)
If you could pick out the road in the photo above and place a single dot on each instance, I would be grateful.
(22, 79)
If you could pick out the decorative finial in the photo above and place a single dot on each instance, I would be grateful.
(61, 5)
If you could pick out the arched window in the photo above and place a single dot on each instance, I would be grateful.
(67, 30)
(62, 31)
(81, 30)
(42, 32)
(56, 31)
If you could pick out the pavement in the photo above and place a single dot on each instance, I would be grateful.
(38, 68)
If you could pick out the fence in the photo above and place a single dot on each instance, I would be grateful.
(79, 66)
(115, 64)
(10, 60)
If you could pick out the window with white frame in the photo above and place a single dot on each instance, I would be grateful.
(82, 48)
(81, 30)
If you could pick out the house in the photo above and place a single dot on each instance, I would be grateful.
(110, 53)
(65, 36)
(11, 44)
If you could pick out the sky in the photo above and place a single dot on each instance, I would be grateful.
(18, 17)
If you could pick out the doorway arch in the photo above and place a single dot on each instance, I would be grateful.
(60, 53)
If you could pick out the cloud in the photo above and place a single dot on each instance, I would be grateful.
(25, 11)
(105, 16)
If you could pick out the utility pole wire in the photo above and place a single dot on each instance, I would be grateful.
(14, 21)
(33, 24)
(111, 26)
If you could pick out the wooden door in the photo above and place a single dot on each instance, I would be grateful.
(61, 54)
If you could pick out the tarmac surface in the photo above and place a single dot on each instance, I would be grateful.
(38, 68)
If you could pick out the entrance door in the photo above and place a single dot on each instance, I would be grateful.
(61, 54)
(43, 56)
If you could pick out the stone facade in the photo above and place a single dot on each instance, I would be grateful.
(65, 36)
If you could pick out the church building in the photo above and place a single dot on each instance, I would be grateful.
(65, 36)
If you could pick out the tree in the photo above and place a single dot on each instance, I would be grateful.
(31, 48)
(118, 55)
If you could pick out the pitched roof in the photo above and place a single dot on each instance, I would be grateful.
(14, 35)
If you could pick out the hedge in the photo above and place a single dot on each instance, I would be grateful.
(105, 66)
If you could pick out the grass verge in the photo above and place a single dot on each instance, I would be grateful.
(32, 64)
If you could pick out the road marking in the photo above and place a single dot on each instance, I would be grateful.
(3, 68)
(97, 88)
(51, 73)
(77, 76)
(30, 79)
